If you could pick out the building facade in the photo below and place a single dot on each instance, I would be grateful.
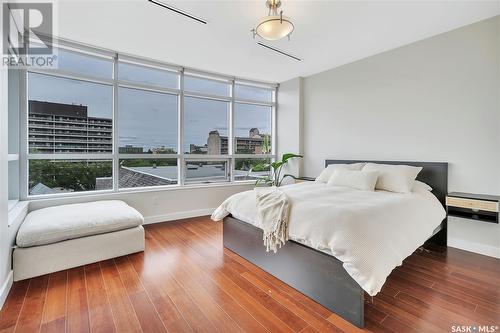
(66, 128)
(255, 143)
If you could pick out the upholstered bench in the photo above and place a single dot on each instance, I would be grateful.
(56, 238)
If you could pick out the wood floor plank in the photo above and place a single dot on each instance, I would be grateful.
(12, 306)
(262, 314)
(313, 320)
(31, 314)
(223, 300)
(77, 316)
(100, 315)
(189, 307)
(54, 314)
(276, 308)
(146, 312)
(155, 286)
(282, 316)
(123, 312)
(186, 281)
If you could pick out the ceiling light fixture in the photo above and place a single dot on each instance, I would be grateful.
(275, 25)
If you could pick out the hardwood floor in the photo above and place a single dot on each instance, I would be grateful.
(185, 281)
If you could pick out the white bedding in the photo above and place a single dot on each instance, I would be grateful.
(370, 232)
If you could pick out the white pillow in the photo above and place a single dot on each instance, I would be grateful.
(394, 178)
(360, 180)
(325, 175)
(419, 186)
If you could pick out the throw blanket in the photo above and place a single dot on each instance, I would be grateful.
(272, 212)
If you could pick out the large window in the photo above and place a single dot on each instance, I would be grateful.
(69, 116)
(66, 176)
(103, 122)
(253, 128)
(147, 122)
(206, 124)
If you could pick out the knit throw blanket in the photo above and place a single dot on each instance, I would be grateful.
(272, 209)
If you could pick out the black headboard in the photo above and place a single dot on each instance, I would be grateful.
(433, 173)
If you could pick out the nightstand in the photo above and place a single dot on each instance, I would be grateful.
(304, 179)
(477, 207)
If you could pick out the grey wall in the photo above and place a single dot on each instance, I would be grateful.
(433, 100)
(289, 123)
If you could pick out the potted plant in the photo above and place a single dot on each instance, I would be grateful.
(274, 178)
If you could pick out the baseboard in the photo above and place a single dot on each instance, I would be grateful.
(6, 288)
(177, 215)
(483, 249)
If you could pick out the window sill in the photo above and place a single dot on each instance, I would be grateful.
(98, 194)
(17, 213)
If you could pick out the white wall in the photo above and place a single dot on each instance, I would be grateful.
(289, 123)
(433, 100)
(163, 205)
(4, 230)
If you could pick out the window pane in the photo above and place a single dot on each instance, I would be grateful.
(205, 126)
(252, 129)
(65, 176)
(211, 87)
(147, 75)
(147, 122)
(13, 180)
(147, 172)
(206, 172)
(13, 113)
(251, 168)
(81, 63)
(253, 93)
(69, 116)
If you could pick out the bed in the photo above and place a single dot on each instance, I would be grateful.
(313, 269)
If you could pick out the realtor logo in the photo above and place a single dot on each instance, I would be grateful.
(27, 34)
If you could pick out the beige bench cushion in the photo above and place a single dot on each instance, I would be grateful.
(60, 223)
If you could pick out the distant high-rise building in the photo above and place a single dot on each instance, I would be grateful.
(129, 149)
(218, 145)
(67, 128)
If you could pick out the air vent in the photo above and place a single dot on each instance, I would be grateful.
(272, 48)
(178, 11)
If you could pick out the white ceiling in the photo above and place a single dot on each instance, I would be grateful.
(327, 33)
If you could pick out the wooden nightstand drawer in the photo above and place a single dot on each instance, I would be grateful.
(473, 204)
(304, 179)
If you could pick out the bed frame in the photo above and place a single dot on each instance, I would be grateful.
(316, 274)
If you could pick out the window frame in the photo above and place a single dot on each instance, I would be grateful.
(116, 84)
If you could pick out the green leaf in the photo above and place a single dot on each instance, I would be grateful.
(288, 156)
(277, 164)
(261, 167)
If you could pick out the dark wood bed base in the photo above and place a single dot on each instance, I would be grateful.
(316, 274)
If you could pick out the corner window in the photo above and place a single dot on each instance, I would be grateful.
(252, 129)
(206, 124)
(103, 122)
(206, 172)
(147, 75)
(147, 122)
(67, 176)
(67, 116)
(147, 172)
(245, 92)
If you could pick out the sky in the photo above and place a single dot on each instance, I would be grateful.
(149, 119)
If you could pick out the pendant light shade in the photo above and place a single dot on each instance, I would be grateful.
(274, 26)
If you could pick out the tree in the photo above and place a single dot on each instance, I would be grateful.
(70, 175)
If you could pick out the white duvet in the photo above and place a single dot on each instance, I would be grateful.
(370, 232)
